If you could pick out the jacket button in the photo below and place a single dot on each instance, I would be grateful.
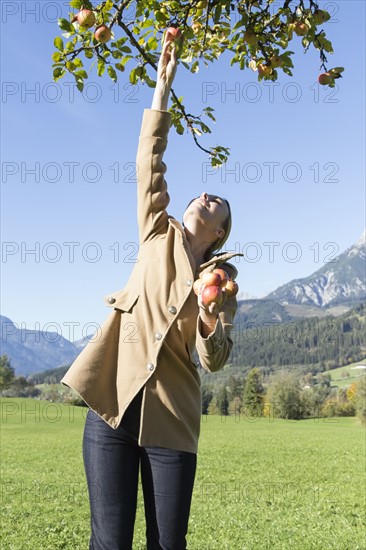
(173, 309)
(189, 282)
(150, 366)
(111, 300)
(158, 336)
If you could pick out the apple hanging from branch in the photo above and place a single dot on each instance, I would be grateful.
(103, 34)
(85, 18)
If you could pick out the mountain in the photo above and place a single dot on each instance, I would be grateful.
(341, 281)
(32, 351)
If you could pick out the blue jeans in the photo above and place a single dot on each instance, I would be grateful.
(112, 460)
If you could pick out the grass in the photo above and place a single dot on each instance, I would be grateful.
(265, 484)
(345, 376)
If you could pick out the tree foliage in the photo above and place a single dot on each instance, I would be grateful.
(7, 374)
(253, 393)
(256, 34)
(284, 395)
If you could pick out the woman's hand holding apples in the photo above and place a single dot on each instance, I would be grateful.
(212, 290)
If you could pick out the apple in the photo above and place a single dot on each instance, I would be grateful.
(264, 70)
(224, 276)
(173, 33)
(324, 79)
(250, 37)
(276, 61)
(300, 29)
(198, 286)
(103, 34)
(85, 18)
(231, 287)
(196, 26)
(211, 294)
(211, 279)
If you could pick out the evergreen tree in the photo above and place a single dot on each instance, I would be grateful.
(253, 393)
(206, 396)
(7, 373)
(223, 401)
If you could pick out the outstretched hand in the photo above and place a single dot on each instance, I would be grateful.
(167, 66)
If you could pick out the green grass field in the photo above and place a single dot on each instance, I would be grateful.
(345, 376)
(266, 484)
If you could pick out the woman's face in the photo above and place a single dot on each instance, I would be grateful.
(211, 211)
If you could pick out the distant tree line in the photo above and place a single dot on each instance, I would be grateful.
(322, 342)
(286, 395)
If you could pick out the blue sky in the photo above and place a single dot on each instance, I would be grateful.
(295, 177)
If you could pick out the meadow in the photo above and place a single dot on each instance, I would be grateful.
(347, 375)
(261, 483)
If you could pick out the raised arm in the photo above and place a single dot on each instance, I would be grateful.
(166, 72)
(152, 193)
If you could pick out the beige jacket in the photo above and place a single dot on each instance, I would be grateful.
(151, 333)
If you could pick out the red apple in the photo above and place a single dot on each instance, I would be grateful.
(211, 279)
(211, 294)
(173, 33)
(85, 18)
(103, 34)
(324, 79)
(222, 273)
(300, 28)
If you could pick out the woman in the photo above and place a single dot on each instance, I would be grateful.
(137, 375)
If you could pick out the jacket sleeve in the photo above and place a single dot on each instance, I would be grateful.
(152, 194)
(214, 351)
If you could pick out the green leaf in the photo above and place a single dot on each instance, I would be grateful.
(118, 43)
(117, 54)
(65, 25)
(239, 24)
(88, 54)
(78, 4)
(152, 43)
(217, 14)
(133, 76)
(161, 17)
(112, 73)
(81, 74)
(56, 56)
(120, 67)
(151, 83)
(287, 71)
(58, 73)
(80, 85)
(101, 67)
(69, 47)
(70, 66)
(125, 49)
(77, 62)
(125, 59)
(58, 43)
